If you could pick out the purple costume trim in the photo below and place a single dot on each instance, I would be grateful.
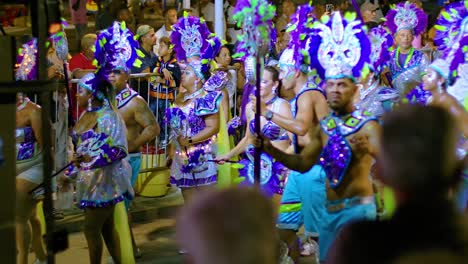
(208, 104)
(272, 176)
(100, 204)
(337, 154)
(396, 69)
(27, 147)
(184, 182)
(101, 146)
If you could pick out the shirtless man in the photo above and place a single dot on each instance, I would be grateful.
(349, 189)
(139, 120)
(304, 195)
(346, 141)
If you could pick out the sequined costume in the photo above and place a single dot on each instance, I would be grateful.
(378, 100)
(337, 154)
(406, 69)
(105, 180)
(28, 156)
(190, 166)
(272, 173)
(375, 98)
(407, 76)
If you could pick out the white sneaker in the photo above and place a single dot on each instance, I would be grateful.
(40, 262)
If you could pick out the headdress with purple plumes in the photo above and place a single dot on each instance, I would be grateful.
(194, 43)
(406, 16)
(300, 30)
(26, 61)
(451, 25)
(340, 47)
(381, 41)
(256, 19)
(458, 55)
(116, 47)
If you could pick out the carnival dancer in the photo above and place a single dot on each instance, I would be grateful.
(347, 140)
(303, 199)
(374, 97)
(194, 119)
(451, 26)
(29, 176)
(406, 20)
(435, 81)
(28, 161)
(103, 174)
(139, 120)
(273, 174)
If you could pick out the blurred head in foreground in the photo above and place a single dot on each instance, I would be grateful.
(229, 226)
(418, 156)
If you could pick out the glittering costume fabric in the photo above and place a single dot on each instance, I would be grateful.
(273, 174)
(190, 167)
(337, 154)
(405, 77)
(379, 101)
(105, 180)
(28, 156)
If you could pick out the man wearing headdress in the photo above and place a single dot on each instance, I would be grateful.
(405, 21)
(345, 143)
(304, 195)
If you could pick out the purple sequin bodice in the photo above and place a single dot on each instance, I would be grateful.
(337, 154)
(335, 159)
(26, 144)
(270, 130)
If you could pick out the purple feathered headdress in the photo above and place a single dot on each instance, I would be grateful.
(256, 19)
(450, 25)
(300, 31)
(381, 41)
(193, 41)
(26, 61)
(406, 16)
(340, 47)
(116, 47)
(458, 55)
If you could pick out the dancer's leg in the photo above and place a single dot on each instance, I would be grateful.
(24, 210)
(37, 244)
(94, 221)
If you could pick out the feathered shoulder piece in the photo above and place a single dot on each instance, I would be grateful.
(116, 47)
(451, 25)
(340, 47)
(381, 41)
(300, 31)
(457, 56)
(26, 61)
(406, 16)
(256, 19)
